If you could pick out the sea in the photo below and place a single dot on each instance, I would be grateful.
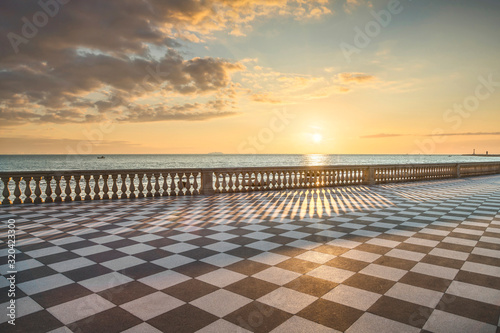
(116, 162)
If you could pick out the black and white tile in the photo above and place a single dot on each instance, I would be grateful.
(413, 257)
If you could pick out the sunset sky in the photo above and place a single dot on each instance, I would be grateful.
(249, 76)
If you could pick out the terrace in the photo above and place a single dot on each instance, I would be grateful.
(392, 257)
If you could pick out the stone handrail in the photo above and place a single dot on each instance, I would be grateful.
(68, 186)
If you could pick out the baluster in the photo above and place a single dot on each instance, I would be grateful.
(188, 183)
(27, 190)
(6, 191)
(224, 183)
(58, 191)
(251, 182)
(17, 190)
(141, 185)
(195, 184)
(105, 187)
(114, 188)
(173, 192)
(132, 186)
(246, 182)
(182, 184)
(157, 185)
(67, 189)
(78, 189)
(230, 183)
(237, 182)
(97, 189)
(149, 187)
(48, 189)
(165, 184)
(86, 179)
(38, 190)
(124, 186)
(217, 183)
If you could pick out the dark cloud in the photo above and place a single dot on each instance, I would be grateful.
(103, 48)
(356, 77)
(187, 111)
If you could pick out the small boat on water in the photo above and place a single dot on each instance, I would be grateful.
(100, 157)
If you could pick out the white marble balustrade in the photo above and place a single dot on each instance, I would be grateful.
(68, 186)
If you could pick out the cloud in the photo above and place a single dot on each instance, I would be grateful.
(381, 135)
(287, 88)
(187, 112)
(352, 5)
(125, 26)
(355, 77)
(92, 60)
(386, 135)
(465, 134)
(265, 98)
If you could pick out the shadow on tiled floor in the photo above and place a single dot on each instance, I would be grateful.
(388, 258)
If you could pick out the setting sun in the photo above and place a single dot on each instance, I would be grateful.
(317, 138)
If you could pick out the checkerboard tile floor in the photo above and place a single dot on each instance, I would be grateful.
(413, 257)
